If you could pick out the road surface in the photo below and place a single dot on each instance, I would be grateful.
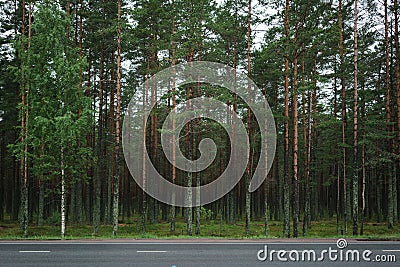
(219, 253)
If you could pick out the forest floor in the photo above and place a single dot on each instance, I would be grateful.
(209, 229)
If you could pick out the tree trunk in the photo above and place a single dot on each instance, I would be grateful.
(304, 128)
(70, 213)
(197, 136)
(198, 178)
(396, 38)
(89, 169)
(336, 165)
(112, 164)
(173, 163)
(144, 151)
(295, 152)
(286, 192)
(24, 213)
(117, 127)
(153, 134)
(363, 189)
(63, 195)
(189, 149)
(307, 212)
(3, 201)
(388, 120)
(189, 175)
(344, 116)
(248, 168)
(99, 167)
(231, 194)
(355, 128)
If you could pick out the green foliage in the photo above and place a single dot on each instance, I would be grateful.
(54, 219)
(206, 214)
(59, 113)
(322, 229)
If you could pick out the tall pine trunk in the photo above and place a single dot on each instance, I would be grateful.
(24, 207)
(286, 193)
(307, 208)
(144, 166)
(390, 199)
(396, 38)
(363, 189)
(265, 148)
(355, 128)
(346, 198)
(248, 168)
(117, 128)
(295, 151)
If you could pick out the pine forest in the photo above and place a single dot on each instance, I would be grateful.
(329, 69)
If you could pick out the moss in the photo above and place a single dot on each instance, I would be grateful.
(211, 229)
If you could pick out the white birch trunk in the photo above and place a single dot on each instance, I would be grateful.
(62, 194)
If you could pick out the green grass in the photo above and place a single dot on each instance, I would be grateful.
(210, 229)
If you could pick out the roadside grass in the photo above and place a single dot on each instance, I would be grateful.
(209, 229)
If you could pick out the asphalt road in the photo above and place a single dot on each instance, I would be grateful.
(198, 253)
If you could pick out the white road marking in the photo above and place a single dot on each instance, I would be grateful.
(391, 250)
(151, 251)
(34, 251)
